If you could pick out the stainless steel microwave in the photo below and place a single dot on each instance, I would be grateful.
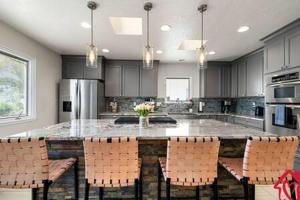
(283, 89)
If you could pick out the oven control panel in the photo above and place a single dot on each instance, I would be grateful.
(286, 77)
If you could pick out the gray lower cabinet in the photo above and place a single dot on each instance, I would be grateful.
(113, 80)
(148, 81)
(242, 78)
(74, 67)
(131, 80)
(292, 49)
(255, 74)
(234, 80)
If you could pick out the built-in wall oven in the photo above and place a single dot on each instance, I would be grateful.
(283, 104)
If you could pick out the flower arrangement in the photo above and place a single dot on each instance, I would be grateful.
(143, 110)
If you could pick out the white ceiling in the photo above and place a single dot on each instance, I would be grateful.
(56, 24)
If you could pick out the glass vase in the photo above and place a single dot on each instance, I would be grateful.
(144, 122)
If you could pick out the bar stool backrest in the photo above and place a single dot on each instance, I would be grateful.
(23, 163)
(111, 162)
(192, 160)
(266, 158)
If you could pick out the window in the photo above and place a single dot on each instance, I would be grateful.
(14, 93)
(178, 89)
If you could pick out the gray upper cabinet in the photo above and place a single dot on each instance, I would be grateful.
(242, 78)
(113, 80)
(282, 49)
(292, 49)
(74, 67)
(148, 80)
(128, 78)
(274, 55)
(213, 81)
(131, 80)
(226, 81)
(255, 74)
(234, 80)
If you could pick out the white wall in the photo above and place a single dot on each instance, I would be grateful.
(177, 70)
(48, 73)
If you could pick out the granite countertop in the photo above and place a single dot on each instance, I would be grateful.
(181, 113)
(78, 129)
(131, 114)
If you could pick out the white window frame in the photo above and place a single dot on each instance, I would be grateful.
(178, 77)
(31, 90)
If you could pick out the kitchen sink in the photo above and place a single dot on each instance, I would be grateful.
(152, 120)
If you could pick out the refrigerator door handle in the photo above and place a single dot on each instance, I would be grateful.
(79, 103)
(76, 111)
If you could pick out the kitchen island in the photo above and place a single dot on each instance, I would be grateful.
(65, 140)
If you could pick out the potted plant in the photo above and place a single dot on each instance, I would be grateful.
(143, 111)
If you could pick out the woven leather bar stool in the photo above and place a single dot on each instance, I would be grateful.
(24, 164)
(112, 162)
(190, 161)
(265, 160)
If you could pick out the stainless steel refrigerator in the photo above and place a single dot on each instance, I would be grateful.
(80, 99)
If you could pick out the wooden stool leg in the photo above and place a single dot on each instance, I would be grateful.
(76, 180)
(292, 190)
(158, 182)
(33, 193)
(168, 189)
(246, 188)
(141, 185)
(45, 190)
(253, 191)
(198, 193)
(136, 189)
(101, 193)
(215, 190)
(87, 190)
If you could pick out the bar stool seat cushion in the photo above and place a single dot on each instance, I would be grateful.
(163, 164)
(58, 167)
(233, 165)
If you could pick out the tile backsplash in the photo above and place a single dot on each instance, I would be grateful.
(242, 106)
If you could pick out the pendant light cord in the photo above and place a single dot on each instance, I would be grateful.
(147, 28)
(92, 28)
(201, 29)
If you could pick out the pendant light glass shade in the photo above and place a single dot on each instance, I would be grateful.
(91, 56)
(202, 58)
(148, 57)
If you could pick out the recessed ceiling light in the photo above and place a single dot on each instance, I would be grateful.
(243, 29)
(159, 51)
(85, 25)
(105, 50)
(165, 28)
(212, 53)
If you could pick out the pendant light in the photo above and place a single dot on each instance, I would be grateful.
(148, 50)
(91, 54)
(201, 52)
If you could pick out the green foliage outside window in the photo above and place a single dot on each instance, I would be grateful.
(13, 86)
